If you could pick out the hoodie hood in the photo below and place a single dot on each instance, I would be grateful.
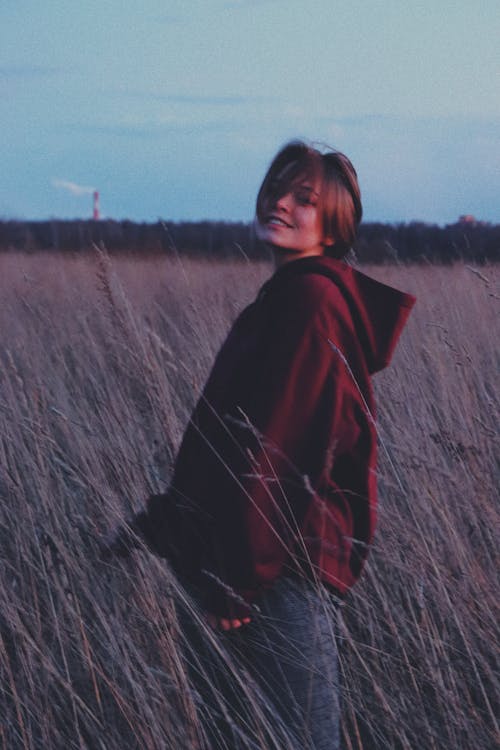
(379, 312)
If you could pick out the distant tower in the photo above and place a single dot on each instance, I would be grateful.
(96, 214)
(467, 219)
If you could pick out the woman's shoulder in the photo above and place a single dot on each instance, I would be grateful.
(304, 303)
(307, 292)
(303, 285)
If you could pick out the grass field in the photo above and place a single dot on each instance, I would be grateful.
(100, 364)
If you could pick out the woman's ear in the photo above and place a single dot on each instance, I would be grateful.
(328, 241)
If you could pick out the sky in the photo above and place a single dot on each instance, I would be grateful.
(173, 109)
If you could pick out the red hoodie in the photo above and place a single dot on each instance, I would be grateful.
(277, 469)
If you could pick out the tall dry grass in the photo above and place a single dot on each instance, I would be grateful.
(100, 365)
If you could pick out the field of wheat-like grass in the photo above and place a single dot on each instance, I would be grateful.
(100, 363)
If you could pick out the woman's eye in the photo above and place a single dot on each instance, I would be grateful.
(305, 199)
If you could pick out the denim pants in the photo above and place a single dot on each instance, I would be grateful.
(285, 663)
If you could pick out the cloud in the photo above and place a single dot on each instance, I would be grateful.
(72, 187)
(146, 128)
(246, 3)
(168, 18)
(27, 71)
(222, 100)
(187, 99)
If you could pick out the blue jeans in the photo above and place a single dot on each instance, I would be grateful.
(287, 658)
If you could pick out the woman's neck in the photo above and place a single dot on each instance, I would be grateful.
(281, 257)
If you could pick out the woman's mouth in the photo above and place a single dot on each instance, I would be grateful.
(276, 221)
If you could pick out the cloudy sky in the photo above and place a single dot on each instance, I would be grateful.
(174, 108)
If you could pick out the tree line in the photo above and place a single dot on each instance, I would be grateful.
(468, 240)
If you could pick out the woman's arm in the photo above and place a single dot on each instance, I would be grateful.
(291, 423)
(257, 452)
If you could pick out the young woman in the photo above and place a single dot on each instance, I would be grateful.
(272, 504)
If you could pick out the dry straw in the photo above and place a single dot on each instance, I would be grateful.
(101, 361)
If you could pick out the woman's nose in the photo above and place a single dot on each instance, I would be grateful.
(282, 201)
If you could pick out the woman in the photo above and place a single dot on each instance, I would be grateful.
(271, 509)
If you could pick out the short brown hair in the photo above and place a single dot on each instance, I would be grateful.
(340, 196)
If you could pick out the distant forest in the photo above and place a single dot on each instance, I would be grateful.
(466, 240)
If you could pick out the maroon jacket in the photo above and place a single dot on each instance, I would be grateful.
(277, 468)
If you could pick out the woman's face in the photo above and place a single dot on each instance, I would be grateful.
(289, 218)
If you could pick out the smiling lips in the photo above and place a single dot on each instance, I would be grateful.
(277, 221)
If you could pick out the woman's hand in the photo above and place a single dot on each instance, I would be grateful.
(223, 623)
